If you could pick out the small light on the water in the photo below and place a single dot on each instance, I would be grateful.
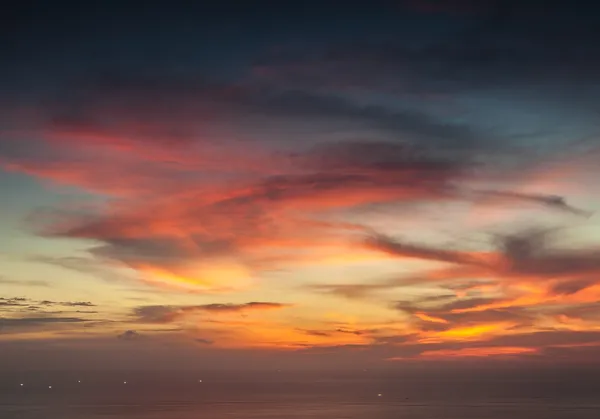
(379, 395)
(79, 381)
(199, 381)
(124, 382)
(22, 385)
(49, 386)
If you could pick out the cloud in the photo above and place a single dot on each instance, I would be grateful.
(525, 254)
(551, 201)
(22, 301)
(331, 332)
(192, 239)
(354, 291)
(67, 303)
(187, 222)
(528, 292)
(168, 314)
(397, 248)
(525, 272)
(79, 304)
(213, 187)
(13, 302)
(132, 100)
(531, 253)
(551, 344)
(37, 321)
(318, 333)
(242, 307)
(506, 351)
(23, 283)
(25, 316)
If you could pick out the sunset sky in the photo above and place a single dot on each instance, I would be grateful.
(377, 184)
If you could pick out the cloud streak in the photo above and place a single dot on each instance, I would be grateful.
(169, 314)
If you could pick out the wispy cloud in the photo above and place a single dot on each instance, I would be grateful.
(21, 283)
(168, 314)
(22, 301)
(551, 201)
(36, 321)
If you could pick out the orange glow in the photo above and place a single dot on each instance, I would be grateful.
(215, 276)
(431, 319)
(478, 352)
(220, 223)
(274, 335)
(466, 333)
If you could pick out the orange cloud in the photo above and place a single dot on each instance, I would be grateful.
(478, 352)
(191, 207)
(427, 318)
(212, 276)
(163, 314)
(277, 336)
(476, 332)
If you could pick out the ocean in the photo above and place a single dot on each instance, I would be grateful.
(365, 395)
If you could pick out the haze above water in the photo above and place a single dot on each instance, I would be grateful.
(357, 395)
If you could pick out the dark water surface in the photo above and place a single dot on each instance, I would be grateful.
(287, 395)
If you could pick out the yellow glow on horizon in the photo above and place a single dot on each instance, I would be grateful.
(478, 352)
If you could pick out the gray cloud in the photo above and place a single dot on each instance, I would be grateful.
(332, 332)
(402, 249)
(155, 314)
(13, 302)
(527, 252)
(586, 311)
(531, 252)
(569, 287)
(67, 303)
(551, 201)
(168, 314)
(182, 98)
(37, 321)
(243, 307)
(396, 171)
(78, 304)
(317, 333)
(353, 291)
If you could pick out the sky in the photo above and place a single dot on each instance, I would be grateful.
(383, 184)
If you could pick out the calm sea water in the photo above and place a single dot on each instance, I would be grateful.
(285, 395)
